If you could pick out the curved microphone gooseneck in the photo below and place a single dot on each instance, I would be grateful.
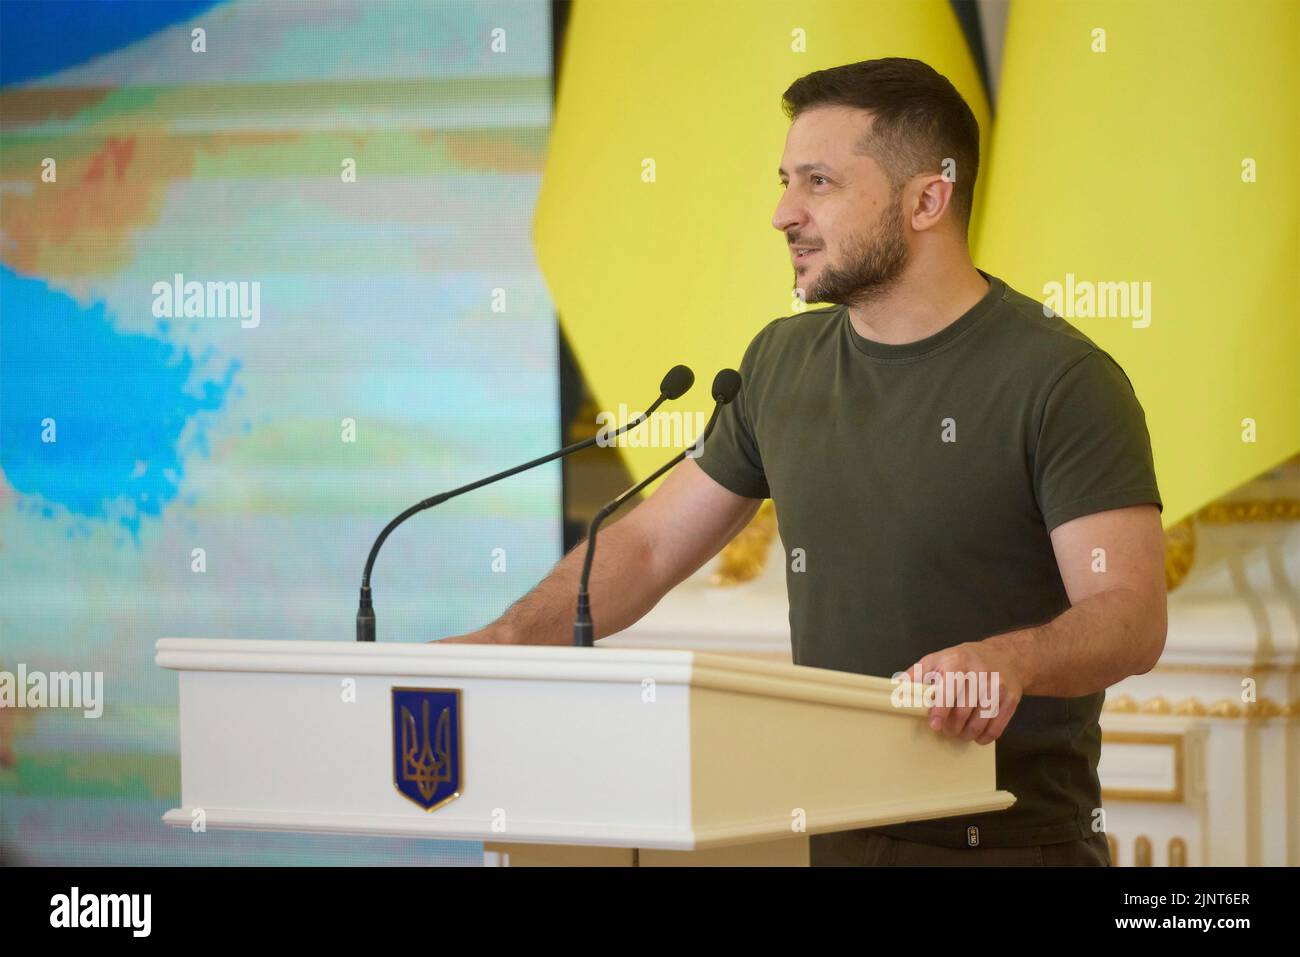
(675, 384)
(725, 386)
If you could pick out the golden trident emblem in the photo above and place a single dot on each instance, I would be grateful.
(426, 760)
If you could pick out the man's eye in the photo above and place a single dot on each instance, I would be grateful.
(815, 176)
(781, 183)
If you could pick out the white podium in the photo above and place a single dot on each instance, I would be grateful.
(556, 755)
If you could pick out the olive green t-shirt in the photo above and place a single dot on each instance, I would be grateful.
(920, 483)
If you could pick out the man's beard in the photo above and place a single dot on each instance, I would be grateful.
(874, 264)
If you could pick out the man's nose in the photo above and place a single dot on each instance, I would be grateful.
(787, 214)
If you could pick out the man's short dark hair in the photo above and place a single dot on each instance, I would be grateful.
(918, 119)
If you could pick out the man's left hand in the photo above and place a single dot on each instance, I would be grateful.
(997, 681)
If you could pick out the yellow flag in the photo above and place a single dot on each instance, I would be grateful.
(653, 226)
(1143, 183)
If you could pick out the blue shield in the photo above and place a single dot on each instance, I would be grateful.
(427, 745)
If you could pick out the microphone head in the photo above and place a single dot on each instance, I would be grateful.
(725, 386)
(677, 382)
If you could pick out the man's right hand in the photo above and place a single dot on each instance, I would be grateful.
(484, 636)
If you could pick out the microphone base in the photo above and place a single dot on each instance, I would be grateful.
(584, 632)
(365, 617)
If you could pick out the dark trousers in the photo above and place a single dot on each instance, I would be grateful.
(863, 848)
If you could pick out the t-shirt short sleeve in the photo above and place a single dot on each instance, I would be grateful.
(1094, 451)
(730, 455)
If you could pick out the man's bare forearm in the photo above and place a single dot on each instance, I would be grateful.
(622, 589)
(638, 559)
(1093, 645)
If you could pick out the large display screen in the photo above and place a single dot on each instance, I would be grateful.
(266, 279)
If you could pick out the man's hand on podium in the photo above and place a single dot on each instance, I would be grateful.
(481, 637)
(975, 668)
(491, 635)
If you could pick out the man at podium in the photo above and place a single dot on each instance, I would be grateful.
(967, 478)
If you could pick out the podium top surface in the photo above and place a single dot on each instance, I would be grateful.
(532, 662)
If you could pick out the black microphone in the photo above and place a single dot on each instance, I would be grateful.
(675, 384)
(725, 386)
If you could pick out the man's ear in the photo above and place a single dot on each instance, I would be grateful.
(933, 198)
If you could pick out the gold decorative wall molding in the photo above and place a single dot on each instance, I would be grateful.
(1265, 708)
(1261, 710)
(1172, 795)
(1250, 510)
(745, 555)
(1180, 552)
(1226, 708)
(1142, 851)
(1242, 671)
(1156, 705)
(1180, 539)
(1177, 852)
